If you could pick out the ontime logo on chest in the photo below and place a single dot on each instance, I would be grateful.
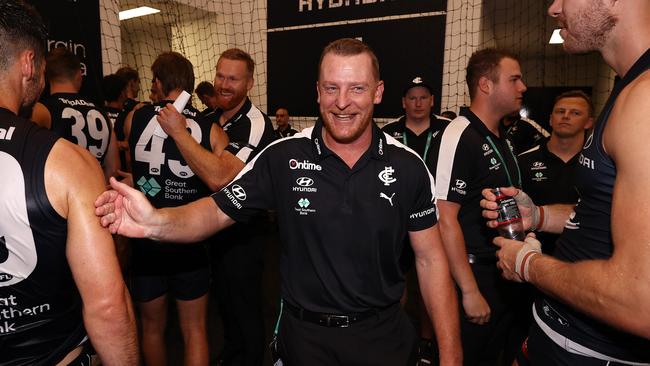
(303, 165)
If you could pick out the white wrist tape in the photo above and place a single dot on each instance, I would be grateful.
(527, 251)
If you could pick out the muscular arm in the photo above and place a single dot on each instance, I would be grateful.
(216, 169)
(438, 292)
(41, 116)
(616, 290)
(476, 308)
(107, 311)
(126, 211)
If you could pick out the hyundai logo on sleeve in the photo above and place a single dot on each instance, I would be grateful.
(238, 192)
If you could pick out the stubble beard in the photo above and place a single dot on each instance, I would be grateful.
(589, 30)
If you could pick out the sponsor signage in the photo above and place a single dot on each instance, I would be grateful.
(419, 50)
(75, 25)
(286, 13)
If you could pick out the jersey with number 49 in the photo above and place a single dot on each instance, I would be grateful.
(80, 121)
(159, 169)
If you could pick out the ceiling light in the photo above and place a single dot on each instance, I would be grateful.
(137, 12)
(556, 38)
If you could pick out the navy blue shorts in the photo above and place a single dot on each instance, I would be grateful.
(181, 286)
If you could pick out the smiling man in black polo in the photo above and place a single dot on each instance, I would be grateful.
(346, 196)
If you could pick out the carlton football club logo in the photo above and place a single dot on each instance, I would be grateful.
(386, 176)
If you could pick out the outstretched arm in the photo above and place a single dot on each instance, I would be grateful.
(90, 250)
(126, 211)
(438, 292)
(216, 168)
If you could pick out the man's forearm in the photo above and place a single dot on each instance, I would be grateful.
(112, 330)
(439, 296)
(603, 289)
(454, 243)
(554, 217)
(188, 223)
(215, 171)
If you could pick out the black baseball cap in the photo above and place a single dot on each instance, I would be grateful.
(418, 81)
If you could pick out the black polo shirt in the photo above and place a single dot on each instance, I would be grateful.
(342, 229)
(525, 134)
(249, 131)
(547, 179)
(430, 137)
(472, 158)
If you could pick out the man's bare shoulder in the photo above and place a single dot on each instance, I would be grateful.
(41, 115)
(71, 173)
(629, 121)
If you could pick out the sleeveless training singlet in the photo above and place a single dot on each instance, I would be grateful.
(587, 235)
(40, 306)
(81, 122)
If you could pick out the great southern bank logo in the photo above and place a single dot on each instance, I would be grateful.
(304, 165)
(148, 186)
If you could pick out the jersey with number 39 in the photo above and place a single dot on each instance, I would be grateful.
(159, 169)
(80, 121)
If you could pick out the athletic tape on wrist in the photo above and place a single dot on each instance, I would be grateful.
(524, 200)
(528, 250)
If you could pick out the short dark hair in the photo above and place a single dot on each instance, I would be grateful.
(239, 55)
(350, 47)
(576, 94)
(205, 88)
(128, 73)
(485, 63)
(113, 85)
(449, 114)
(21, 28)
(62, 65)
(174, 72)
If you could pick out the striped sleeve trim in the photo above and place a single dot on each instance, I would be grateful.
(258, 124)
(537, 126)
(530, 150)
(448, 147)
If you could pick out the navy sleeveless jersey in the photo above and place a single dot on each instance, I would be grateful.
(587, 235)
(80, 121)
(40, 307)
(161, 173)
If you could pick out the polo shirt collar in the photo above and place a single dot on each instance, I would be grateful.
(478, 124)
(550, 155)
(245, 108)
(378, 147)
